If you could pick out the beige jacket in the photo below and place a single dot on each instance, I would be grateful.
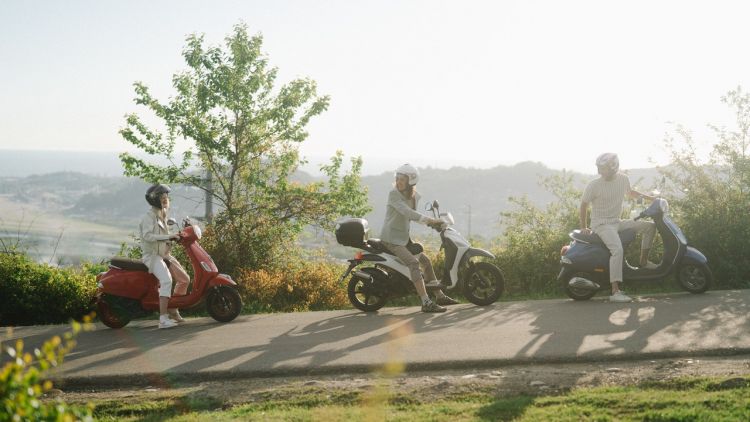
(398, 214)
(154, 236)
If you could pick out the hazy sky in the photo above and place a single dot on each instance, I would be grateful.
(432, 82)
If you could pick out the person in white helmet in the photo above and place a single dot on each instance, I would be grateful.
(156, 248)
(606, 195)
(400, 211)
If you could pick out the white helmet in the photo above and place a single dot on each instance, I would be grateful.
(608, 160)
(409, 171)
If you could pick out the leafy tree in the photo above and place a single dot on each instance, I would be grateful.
(246, 134)
(712, 196)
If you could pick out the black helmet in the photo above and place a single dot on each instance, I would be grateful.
(153, 194)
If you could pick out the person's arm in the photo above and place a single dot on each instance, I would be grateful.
(400, 206)
(588, 196)
(147, 230)
(583, 217)
(635, 195)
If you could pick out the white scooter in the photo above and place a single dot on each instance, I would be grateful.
(387, 277)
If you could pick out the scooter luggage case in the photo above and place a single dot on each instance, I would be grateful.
(352, 232)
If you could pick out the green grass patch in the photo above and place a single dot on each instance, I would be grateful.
(674, 400)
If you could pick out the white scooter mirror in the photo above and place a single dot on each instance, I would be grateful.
(171, 222)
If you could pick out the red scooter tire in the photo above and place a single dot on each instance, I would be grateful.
(224, 303)
(109, 316)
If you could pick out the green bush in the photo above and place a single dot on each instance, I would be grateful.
(32, 293)
(529, 251)
(307, 286)
(22, 383)
(712, 196)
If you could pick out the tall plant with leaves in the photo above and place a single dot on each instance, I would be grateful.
(712, 196)
(246, 133)
(531, 242)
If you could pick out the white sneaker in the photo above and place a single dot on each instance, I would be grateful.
(620, 297)
(433, 283)
(165, 322)
(175, 316)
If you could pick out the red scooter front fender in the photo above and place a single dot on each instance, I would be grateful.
(222, 280)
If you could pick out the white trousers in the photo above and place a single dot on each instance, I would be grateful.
(165, 274)
(609, 235)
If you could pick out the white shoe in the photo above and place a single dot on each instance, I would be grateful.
(650, 265)
(165, 322)
(175, 316)
(433, 283)
(620, 297)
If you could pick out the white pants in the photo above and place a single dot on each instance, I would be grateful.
(164, 274)
(609, 235)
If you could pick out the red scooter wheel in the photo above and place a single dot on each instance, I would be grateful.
(224, 303)
(109, 315)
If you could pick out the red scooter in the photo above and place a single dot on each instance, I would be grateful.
(127, 290)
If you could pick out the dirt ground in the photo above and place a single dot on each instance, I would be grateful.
(505, 381)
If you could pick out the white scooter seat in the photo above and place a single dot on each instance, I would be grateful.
(377, 246)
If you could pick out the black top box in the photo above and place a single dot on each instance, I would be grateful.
(352, 232)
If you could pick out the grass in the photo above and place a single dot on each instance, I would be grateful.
(674, 400)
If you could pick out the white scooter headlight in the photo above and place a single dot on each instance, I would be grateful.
(197, 231)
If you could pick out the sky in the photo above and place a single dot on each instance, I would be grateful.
(434, 83)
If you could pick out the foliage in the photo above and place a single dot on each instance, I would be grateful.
(22, 383)
(529, 253)
(712, 197)
(32, 293)
(307, 286)
(246, 135)
(673, 400)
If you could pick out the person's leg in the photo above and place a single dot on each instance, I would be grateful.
(180, 281)
(412, 263)
(648, 230)
(608, 234)
(179, 276)
(429, 275)
(159, 269)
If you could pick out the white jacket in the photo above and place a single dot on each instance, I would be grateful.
(154, 237)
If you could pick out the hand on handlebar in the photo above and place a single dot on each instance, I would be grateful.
(435, 223)
(175, 237)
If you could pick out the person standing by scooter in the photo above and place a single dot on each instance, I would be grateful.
(606, 195)
(400, 211)
(156, 248)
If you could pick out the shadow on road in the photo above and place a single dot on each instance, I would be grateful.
(599, 328)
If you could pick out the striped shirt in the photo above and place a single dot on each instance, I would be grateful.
(606, 198)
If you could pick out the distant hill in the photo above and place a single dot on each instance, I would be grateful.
(477, 194)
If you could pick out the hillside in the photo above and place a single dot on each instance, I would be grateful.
(474, 196)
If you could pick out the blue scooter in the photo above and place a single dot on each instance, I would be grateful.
(584, 263)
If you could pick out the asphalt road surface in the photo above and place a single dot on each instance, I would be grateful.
(678, 324)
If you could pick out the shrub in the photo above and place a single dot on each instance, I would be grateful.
(22, 384)
(712, 194)
(308, 286)
(32, 293)
(530, 251)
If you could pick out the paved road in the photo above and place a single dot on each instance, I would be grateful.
(677, 324)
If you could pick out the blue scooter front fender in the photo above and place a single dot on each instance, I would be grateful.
(694, 256)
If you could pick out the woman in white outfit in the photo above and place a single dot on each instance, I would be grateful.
(156, 246)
